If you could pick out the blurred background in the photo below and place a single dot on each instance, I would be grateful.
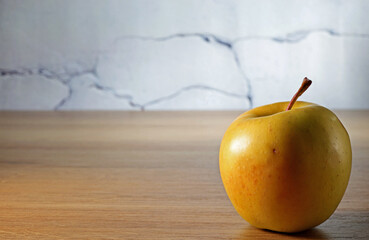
(181, 55)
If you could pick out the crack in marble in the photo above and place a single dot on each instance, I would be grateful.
(114, 93)
(292, 37)
(41, 71)
(65, 79)
(299, 35)
(208, 38)
(66, 76)
(65, 99)
(12, 72)
(249, 95)
(47, 73)
(92, 71)
(188, 88)
(143, 106)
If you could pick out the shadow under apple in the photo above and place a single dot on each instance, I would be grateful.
(250, 232)
(348, 224)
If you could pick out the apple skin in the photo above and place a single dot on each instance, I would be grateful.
(286, 171)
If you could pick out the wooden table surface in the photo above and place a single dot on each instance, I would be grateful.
(141, 175)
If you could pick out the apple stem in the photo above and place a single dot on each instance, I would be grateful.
(304, 86)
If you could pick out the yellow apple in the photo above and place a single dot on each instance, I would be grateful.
(286, 170)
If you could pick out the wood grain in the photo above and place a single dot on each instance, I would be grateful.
(141, 175)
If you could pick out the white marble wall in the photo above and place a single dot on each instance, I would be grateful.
(184, 54)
